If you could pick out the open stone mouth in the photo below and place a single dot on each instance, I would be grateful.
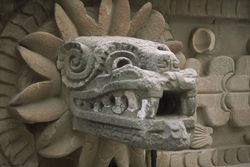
(129, 90)
(128, 103)
(169, 104)
(148, 122)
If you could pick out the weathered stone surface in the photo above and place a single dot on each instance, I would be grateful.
(13, 31)
(191, 160)
(105, 15)
(234, 9)
(30, 94)
(46, 69)
(137, 157)
(40, 64)
(176, 160)
(35, 53)
(225, 156)
(228, 20)
(212, 91)
(174, 141)
(203, 40)
(227, 88)
(120, 23)
(58, 139)
(247, 138)
(140, 18)
(76, 11)
(102, 107)
(205, 158)
(231, 156)
(42, 111)
(16, 142)
(182, 58)
(243, 155)
(239, 93)
(65, 25)
(174, 46)
(154, 27)
(201, 137)
(36, 42)
(109, 150)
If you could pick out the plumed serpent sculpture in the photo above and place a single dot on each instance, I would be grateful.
(88, 83)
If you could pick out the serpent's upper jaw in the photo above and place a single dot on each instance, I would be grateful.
(129, 90)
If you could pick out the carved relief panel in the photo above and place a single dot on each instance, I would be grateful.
(69, 99)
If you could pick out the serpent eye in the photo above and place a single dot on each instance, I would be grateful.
(121, 62)
(119, 59)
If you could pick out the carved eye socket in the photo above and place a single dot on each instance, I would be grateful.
(121, 62)
(119, 59)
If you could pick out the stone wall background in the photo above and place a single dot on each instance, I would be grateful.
(231, 34)
(7, 8)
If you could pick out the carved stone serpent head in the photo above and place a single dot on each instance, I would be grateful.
(94, 80)
(129, 90)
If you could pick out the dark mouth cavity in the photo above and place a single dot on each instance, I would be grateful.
(170, 104)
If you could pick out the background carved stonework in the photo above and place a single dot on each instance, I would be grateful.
(211, 36)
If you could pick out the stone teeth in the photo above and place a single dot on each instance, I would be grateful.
(149, 108)
(98, 106)
(79, 102)
(86, 105)
(119, 104)
(133, 104)
(106, 101)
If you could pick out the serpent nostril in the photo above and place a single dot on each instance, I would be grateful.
(161, 48)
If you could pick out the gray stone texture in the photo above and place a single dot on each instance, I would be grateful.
(102, 73)
(211, 36)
